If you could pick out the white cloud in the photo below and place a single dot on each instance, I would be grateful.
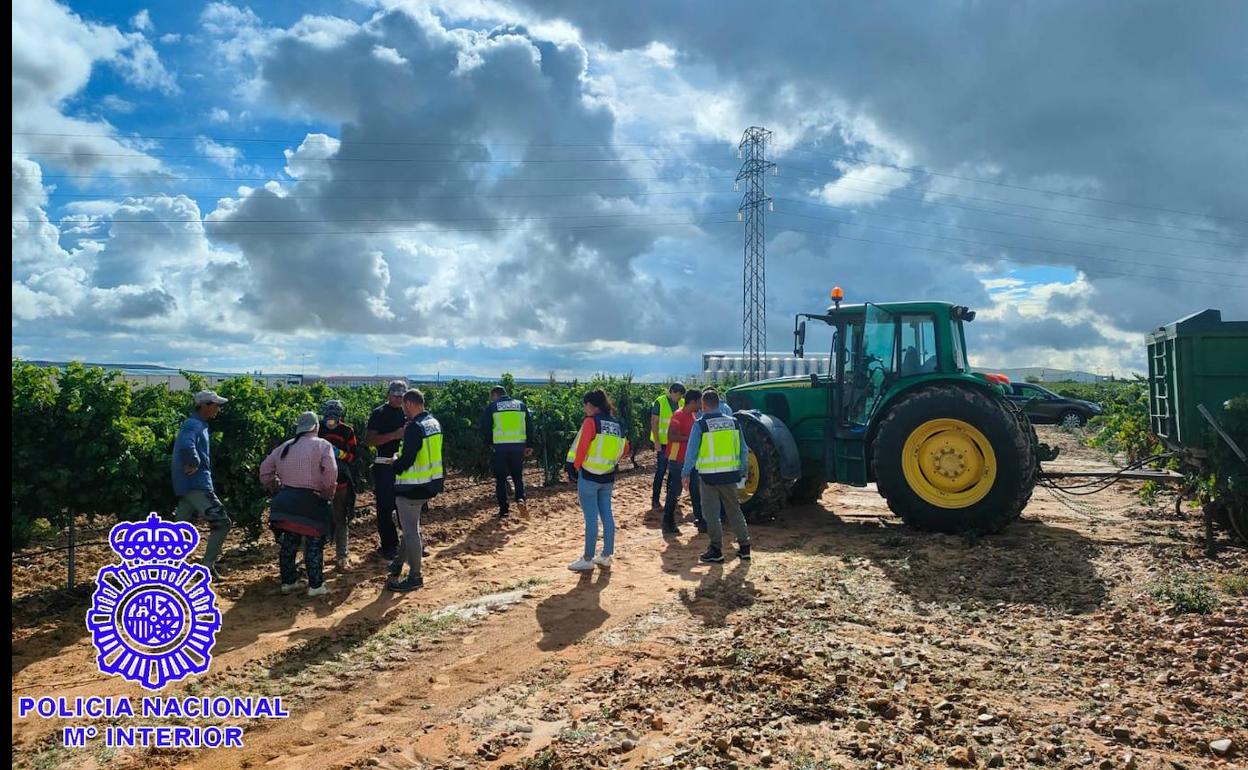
(114, 103)
(169, 38)
(386, 54)
(862, 185)
(219, 115)
(142, 21)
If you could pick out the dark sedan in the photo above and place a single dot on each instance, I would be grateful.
(1044, 406)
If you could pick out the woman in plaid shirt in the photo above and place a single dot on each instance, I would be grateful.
(305, 471)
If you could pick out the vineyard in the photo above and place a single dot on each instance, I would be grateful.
(86, 443)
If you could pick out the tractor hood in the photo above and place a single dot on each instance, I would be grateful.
(792, 381)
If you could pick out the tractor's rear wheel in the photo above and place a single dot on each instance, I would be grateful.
(807, 490)
(954, 459)
(765, 491)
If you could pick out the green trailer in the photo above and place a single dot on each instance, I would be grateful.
(1198, 406)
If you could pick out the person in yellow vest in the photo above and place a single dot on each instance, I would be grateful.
(718, 453)
(507, 428)
(417, 480)
(596, 453)
(660, 418)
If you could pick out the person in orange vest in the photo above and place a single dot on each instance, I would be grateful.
(660, 417)
(678, 431)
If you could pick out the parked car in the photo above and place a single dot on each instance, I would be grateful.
(1043, 406)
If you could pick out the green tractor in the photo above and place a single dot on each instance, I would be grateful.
(900, 407)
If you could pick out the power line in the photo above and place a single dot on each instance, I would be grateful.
(1008, 232)
(1030, 217)
(397, 143)
(231, 193)
(1009, 246)
(340, 159)
(434, 230)
(474, 180)
(964, 255)
(221, 222)
(978, 180)
(1106, 217)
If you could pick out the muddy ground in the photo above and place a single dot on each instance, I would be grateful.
(850, 641)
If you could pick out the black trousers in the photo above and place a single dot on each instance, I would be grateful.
(507, 464)
(383, 490)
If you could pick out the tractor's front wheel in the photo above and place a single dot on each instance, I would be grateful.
(953, 459)
(765, 490)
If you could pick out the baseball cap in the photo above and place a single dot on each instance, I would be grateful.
(208, 397)
(308, 421)
(397, 388)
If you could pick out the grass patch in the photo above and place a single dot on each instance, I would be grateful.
(1234, 585)
(542, 760)
(1186, 593)
(528, 582)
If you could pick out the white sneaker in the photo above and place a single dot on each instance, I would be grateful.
(581, 565)
(321, 591)
(603, 561)
(290, 588)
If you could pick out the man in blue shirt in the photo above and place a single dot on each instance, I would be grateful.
(699, 520)
(191, 468)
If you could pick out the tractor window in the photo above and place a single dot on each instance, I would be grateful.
(873, 366)
(959, 350)
(918, 345)
(853, 348)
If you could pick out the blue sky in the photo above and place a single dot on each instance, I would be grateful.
(547, 187)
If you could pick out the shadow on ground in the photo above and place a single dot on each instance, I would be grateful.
(1030, 562)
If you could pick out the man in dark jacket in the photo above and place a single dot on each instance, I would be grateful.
(385, 431)
(507, 428)
(342, 437)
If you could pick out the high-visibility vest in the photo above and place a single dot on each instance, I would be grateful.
(665, 418)
(719, 453)
(428, 465)
(509, 426)
(607, 447)
(575, 442)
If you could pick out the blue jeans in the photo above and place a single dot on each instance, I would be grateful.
(596, 504)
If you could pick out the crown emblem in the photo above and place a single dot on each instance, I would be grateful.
(153, 539)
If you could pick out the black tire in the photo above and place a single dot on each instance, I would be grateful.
(807, 490)
(1072, 419)
(1009, 435)
(773, 490)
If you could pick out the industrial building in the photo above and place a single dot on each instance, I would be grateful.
(720, 366)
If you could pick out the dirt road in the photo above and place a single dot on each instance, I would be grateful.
(850, 641)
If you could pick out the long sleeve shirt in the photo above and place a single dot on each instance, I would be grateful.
(309, 464)
(695, 445)
(191, 448)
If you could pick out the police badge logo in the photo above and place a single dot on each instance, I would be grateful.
(153, 619)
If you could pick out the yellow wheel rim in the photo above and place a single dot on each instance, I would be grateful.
(949, 463)
(752, 479)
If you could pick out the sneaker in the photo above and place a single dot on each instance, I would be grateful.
(290, 588)
(603, 561)
(503, 515)
(701, 525)
(743, 552)
(672, 530)
(424, 553)
(343, 561)
(320, 590)
(712, 556)
(581, 565)
(409, 583)
(523, 507)
(394, 568)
